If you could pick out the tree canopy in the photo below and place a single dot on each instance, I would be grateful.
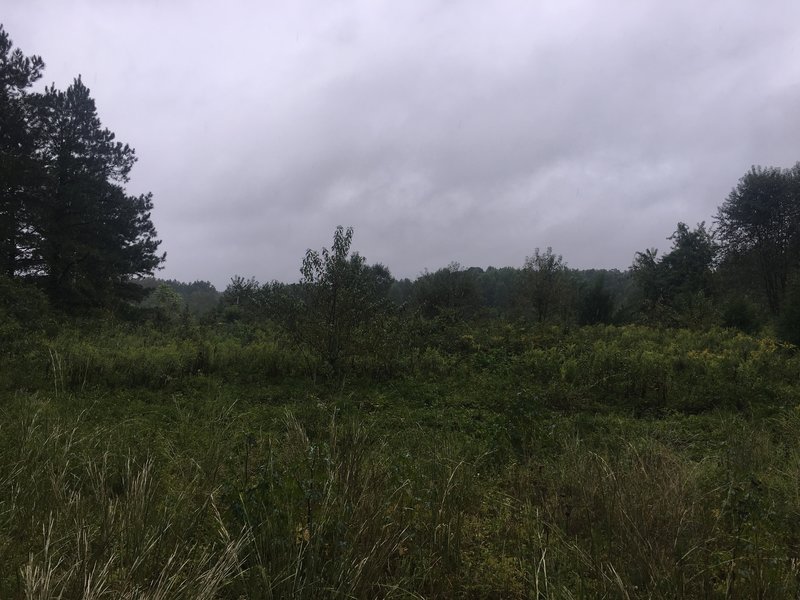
(340, 293)
(546, 281)
(681, 278)
(760, 220)
(67, 222)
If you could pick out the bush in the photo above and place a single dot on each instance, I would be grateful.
(740, 313)
(787, 326)
(23, 302)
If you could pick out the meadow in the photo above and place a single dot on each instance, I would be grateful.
(531, 431)
(476, 460)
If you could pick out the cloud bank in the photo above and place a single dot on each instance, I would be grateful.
(442, 131)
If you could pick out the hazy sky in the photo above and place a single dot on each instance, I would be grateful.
(440, 130)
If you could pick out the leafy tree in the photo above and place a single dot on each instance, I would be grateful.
(599, 286)
(401, 291)
(21, 300)
(18, 168)
(649, 275)
(546, 282)
(241, 292)
(761, 218)
(167, 303)
(681, 281)
(740, 313)
(200, 297)
(450, 292)
(690, 261)
(340, 294)
(499, 288)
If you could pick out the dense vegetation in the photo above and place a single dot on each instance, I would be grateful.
(484, 459)
(527, 432)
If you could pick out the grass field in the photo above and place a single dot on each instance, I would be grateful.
(491, 461)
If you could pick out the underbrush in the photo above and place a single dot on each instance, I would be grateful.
(203, 498)
(637, 369)
(226, 462)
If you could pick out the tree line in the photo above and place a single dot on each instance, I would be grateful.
(70, 230)
(742, 272)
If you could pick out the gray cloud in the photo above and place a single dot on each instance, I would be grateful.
(440, 130)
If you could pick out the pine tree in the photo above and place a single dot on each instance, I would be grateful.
(91, 238)
(66, 220)
(18, 169)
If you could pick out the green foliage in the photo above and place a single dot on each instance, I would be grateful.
(200, 297)
(546, 284)
(689, 262)
(742, 314)
(788, 323)
(18, 168)
(451, 292)
(65, 219)
(761, 218)
(340, 297)
(92, 239)
(457, 460)
(24, 317)
(22, 302)
(241, 292)
(499, 289)
(596, 304)
(675, 288)
(167, 303)
(373, 492)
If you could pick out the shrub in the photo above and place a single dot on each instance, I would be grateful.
(740, 313)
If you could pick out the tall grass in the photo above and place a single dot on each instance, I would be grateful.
(312, 504)
(600, 463)
(80, 519)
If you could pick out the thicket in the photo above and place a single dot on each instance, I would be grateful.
(631, 367)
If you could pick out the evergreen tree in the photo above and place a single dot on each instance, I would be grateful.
(18, 169)
(90, 238)
(66, 221)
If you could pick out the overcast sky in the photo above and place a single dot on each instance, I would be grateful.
(440, 130)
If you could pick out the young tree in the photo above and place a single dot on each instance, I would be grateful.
(761, 219)
(167, 303)
(690, 261)
(241, 292)
(650, 278)
(546, 282)
(340, 293)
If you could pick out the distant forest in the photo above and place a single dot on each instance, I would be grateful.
(72, 241)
